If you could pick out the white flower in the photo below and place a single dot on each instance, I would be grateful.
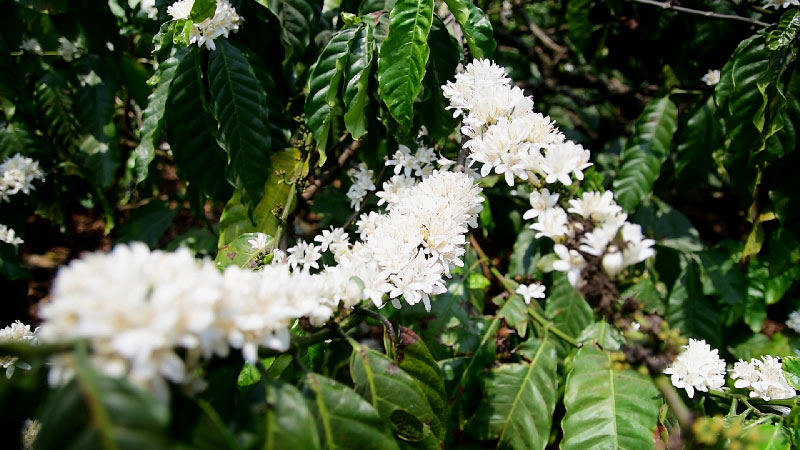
(260, 242)
(697, 368)
(17, 174)
(637, 248)
(9, 236)
(334, 239)
(763, 377)
(304, 255)
(180, 9)
(15, 333)
(712, 77)
(395, 189)
(794, 321)
(30, 429)
(362, 183)
(149, 8)
(563, 160)
(278, 256)
(613, 263)
(540, 202)
(777, 4)
(571, 262)
(552, 223)
(529, 291)
(67, 49)
(31, 46)
(596, 206)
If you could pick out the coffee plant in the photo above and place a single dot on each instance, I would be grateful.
(386, 224)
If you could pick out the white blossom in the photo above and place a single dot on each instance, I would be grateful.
(794, 321)
(17, 174)
(221, 24)
(595, 206)
(698, 367)
(712, 77)
(552, 223)
(334, 239)
(362, 183)
(778, 4)
(30, 429)
(763, 377)
(31, 46)
(529, 291)
(9, 236)
(260, 242)
(67, 49)
(570, 262)
(304, 255)
(180, 9)
(15, 333)
(540, 202)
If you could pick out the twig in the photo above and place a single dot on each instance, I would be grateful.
(559, 50)
(484, 260)
(383, 320)
(328, 175)
(697, 12)
(679, 409)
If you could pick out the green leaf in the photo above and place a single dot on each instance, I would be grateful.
(791, 370)
(202, 10)
(442, 64)
(93, 411)
(15, 138)
(284, 420)
(240, 252)
(146, 223)
(526, 254)
(689, 311)
(567, 309)
(701, 136)
(344, 419)
(182, 33)
(607, 406)
(646, 151)
(758, 345)
(602, 334)
(726, 276)
(356, 81)
(295, 17)
(99, 157)
(323, 86)
(767, 437)
(786, 30)
(94, 98)
(476, 27)
(279, 190)
(784, 251)
(190, 130)
(519, 402)
(403, 56)
(389, 389)
(240, 108)
(668, 226)
(153, 116)
(514, 311)
(416, 360)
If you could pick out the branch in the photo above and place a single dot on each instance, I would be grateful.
(559, 50)
(697, 12)
(328, 175)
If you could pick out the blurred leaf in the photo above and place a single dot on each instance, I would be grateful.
(283, 420)
(668, 226)
(190, 129)
(356, 81)
(295, 17)
(767, 437)
(15, 138)
(784, 251)
(416, 360)
(240, 107)
(476, 27)
(240, 252)
(278, 189)
(786, 30)
(645, 152)
(526, 254)
(608, 406)
(604, 335)
(579, 25)
(728, 280)
(10, 268)
(689, 311)
(403, 57)
(146, 223)
(758, 345)
(791, 370)
(520, 400)
(46, 6)
(696, 142)
(389, 389)
(202, 10)
(323, 86)
(345, 420)
(444, 59)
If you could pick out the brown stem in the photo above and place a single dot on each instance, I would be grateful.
(697, 12)
(328, 175)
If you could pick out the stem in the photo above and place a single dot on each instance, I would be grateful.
(758, 401)
(697, 12)
(679, 409)
(550, 327)
(386, 324)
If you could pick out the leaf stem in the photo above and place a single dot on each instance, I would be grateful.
(748, 401)
(386, 324)
(679, 409)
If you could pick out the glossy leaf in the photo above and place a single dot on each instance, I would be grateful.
(390, 389)
(146, 223)
(356, 81)
(202, 10)
(726, 276)
(689, 311)
(323, 86)
(190, 130)
(476, 27)
(278, 195)
(344, 419)
(442, 64)
(567, 309)
(284, 420)
(696, 143)
(240, 252)
(403, 57)
(648, 148)
(519, 401)
(295, 17)
(791, 370)
(608, 406)
(239, 104)
(785, 31)
(153, 116)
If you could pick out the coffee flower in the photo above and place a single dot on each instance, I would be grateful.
(698, 367)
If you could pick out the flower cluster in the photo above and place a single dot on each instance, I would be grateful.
(16, 332)
(362, 183)
(778, 4)
(30, 429)
(31, 46)
(763, 377)
(224, 20)
(9, 236)
(67, 49)
(698, 367)
(711, 78)
(794, 321)
(505, 134)
(17, 174)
